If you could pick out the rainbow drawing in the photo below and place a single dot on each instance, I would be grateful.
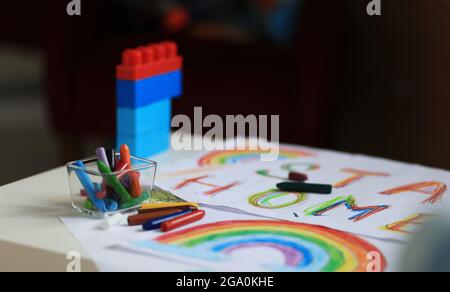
(241, 156)
(298, 247)
(276, 199)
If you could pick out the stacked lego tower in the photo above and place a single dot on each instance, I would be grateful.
(147, 80)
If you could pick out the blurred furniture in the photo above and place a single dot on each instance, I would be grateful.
(296, 82)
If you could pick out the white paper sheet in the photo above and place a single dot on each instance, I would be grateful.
(394, 219)
(234, 242)
(389, 212)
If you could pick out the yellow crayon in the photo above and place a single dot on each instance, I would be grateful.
(169, 205)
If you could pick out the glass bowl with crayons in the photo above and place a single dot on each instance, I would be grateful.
(110, 183)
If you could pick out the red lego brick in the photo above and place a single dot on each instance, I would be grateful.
(149, 61)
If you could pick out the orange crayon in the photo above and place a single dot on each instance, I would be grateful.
(125, 156)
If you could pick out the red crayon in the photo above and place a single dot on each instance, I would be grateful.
(296, 176)
(121, 167)
(136, 190)
(183, 220)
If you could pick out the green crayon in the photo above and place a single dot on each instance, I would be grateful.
(136, 201)
(113, 181)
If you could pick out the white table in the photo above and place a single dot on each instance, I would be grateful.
(31, 236)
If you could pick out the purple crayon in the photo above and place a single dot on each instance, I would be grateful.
(101, 155)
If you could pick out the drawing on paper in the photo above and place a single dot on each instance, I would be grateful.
(213, 188)
(402, 225)
(350, 203)
(276, 199)
(356, 175)
(289, 167)
(435, 189)
(266, 173)
(160, 195)
(283, 246)
(293, 166)
(240, 156)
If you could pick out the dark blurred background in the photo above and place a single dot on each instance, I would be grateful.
(339, 78)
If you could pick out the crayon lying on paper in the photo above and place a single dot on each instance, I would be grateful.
(183, 220)
(142, 218)
(305, 188)
(156, 223)
(181, 207)
(150, 207)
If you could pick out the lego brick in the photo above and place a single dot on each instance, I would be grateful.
(148, 144)
(149, 61)
(143, 119)
(134, 94)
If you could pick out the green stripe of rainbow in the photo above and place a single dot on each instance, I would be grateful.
(346, 252)
(235, 156)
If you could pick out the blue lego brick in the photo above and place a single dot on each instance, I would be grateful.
(147, 144)
(134, 122)
(134, 94)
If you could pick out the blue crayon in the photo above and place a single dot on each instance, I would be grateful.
(98, 187)
(89, 187)
(156, 223)
(111, 205)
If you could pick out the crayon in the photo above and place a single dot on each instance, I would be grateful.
(140, 219)
(296, 176)
(125, 163)
(130, 181)
(113, 182)
(305, 188)
(135, 202)
(147, 211)
(183, 220)
(125, 156)
(98, 186)
(88, 186)
(135, 184)
(150, 207)
(121, 167)
(126, 181)
(88, 204)
(111, 205)
(101, 195)
(156, 223)
(101, 155)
